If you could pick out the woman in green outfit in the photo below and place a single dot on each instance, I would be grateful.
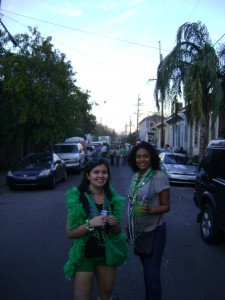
(87, 226)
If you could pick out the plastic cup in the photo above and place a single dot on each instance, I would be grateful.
(137, 209)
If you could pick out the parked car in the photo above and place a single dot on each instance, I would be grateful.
(161, 150)
(37, 169)
(73, 154)
(209, 193)
(178, 167)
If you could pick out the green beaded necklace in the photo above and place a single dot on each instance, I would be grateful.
(137, 182)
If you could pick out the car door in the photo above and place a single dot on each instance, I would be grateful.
(218, 181)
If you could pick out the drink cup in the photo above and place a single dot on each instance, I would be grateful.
(104, 212)
(137, 209)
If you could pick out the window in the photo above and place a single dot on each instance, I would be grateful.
(213, 163)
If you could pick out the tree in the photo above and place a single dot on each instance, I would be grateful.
(40, 103)
(191, 70)
(221, 54)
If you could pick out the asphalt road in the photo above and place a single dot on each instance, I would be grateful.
(34, 248)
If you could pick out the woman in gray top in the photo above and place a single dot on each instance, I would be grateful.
(148, 201)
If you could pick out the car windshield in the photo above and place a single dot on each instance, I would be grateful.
(66, 149)
(36, 159)
(177, 159)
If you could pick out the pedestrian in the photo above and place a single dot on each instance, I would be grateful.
(112, 156)
(87, 227)
(98, 150)
(148, 201)
(117, 155)
(123, 153)
(104, 151)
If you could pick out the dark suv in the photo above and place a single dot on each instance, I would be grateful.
(209, 194)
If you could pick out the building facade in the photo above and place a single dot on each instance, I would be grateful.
(177, 132)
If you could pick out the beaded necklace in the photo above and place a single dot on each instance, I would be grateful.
(103, 197)
(137, 182)
(98, 233)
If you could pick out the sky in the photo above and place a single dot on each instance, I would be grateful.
(114, 45)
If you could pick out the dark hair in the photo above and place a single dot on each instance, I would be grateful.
(91, 164)
(155, 160)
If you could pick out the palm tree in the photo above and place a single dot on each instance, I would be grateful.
(191, 70)
(221, 54)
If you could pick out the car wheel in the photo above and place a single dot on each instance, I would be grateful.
(53, 183)
(209, 230)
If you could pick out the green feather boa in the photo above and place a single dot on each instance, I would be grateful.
(76, 217)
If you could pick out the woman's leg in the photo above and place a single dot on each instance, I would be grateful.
(152, 265)
(105, 277)
(83, 284)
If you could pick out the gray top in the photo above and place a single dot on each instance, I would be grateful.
(150, 222)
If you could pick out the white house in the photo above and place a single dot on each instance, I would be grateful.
(176, 132)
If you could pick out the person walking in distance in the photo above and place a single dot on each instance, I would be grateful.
(148, 201)
(117, 156)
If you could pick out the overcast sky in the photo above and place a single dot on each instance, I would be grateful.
(114, 45)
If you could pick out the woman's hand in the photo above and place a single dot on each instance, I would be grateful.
(98, 221)
(145, 209)
(112, 220)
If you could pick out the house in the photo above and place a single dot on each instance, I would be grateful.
(147, 129)
(177, 132)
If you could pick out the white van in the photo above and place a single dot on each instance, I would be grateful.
(73, 154)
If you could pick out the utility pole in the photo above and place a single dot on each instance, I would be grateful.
(130, 124)
(138, 113)
(162, 103)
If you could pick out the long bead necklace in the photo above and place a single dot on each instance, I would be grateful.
(103, 197)
(98, 233)
(138, 181)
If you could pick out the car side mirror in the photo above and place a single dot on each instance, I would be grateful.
(58, 162)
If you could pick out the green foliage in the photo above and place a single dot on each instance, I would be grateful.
(39, 100)
(191, 71)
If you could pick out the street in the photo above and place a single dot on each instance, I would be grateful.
(34, 248)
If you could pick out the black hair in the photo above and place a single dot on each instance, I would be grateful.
(155, 160)
(85, 182)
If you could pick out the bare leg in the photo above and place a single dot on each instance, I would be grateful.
(105, 277)
(83, 284)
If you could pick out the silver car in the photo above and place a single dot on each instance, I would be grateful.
(178, 167)
(73, 154)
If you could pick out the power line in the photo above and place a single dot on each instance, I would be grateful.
(86, 32)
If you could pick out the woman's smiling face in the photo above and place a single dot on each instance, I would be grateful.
(98, 176)
(143, 159)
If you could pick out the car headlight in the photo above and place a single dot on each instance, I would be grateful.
(45, 173)
(10, 174)
(169, 171)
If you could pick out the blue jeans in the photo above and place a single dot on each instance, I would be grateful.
(151, 266)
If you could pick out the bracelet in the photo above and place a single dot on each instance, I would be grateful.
(88, 227)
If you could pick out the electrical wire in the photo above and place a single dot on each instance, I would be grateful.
(84, 31)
